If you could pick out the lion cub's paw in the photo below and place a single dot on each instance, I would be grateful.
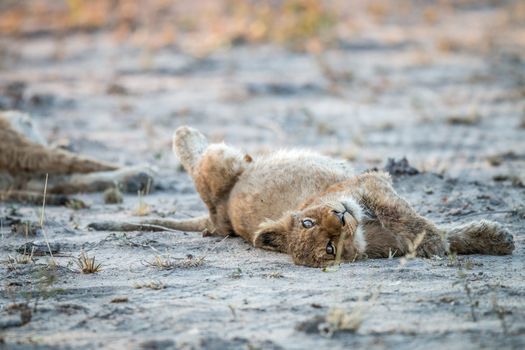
(189, 139)
(189, 144)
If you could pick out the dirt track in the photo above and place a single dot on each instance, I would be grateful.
(456, 113)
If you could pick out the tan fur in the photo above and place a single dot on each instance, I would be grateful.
(25, 159)
(19, 154)
(269, 200)
(195, 224)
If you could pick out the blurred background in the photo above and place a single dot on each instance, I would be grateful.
(440, 82)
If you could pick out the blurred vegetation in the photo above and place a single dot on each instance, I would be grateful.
(161, 23)
(205, 25)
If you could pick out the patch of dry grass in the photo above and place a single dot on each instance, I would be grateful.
(338, 319)
(162, 263)
(113, 196)
(155, 285)
(412, 248)
(143, 208)
(22, 259)
(161, 23)
(26, 228)
(274, 275)
(120, 299)
(472, 118)
(87, 264)
(167, 263)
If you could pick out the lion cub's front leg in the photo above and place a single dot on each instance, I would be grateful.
(214, 169)
(417, 234)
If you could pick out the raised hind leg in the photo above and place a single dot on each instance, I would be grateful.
(214, 169)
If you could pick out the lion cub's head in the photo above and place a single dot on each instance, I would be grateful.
(325, 228)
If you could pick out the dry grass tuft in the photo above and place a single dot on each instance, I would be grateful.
(275, 274)
(412, 248)
(22, 259)
(391, 253)
(162, 263)
(88, 265)
(339, 320)
(464, 119)
(155, 285)
(166, 263)
(113, 196)
(76, 204)
(26, 228)
(190, 262)
(120, 299)
(143, 208)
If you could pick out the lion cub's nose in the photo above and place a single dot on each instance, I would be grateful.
(340, 216)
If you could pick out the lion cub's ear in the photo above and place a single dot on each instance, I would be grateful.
(272, 235)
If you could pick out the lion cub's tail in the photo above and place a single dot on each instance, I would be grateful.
(480, 237)
(198, 224)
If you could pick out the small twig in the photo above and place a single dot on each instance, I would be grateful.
(158, 227)
(153, 226)
(153, 248)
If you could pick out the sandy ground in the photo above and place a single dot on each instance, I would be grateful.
(456, 113)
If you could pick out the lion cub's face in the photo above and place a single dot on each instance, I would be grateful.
(316, 235)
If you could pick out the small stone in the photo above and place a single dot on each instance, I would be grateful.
(400, 167)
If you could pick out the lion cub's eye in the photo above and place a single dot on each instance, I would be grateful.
(307, 223)
(330, 248)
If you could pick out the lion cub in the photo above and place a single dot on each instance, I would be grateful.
(312, 207)
(25, 159)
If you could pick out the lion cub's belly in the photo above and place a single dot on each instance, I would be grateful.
(273, 185)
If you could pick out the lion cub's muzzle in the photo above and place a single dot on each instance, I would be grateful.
(340, 215)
